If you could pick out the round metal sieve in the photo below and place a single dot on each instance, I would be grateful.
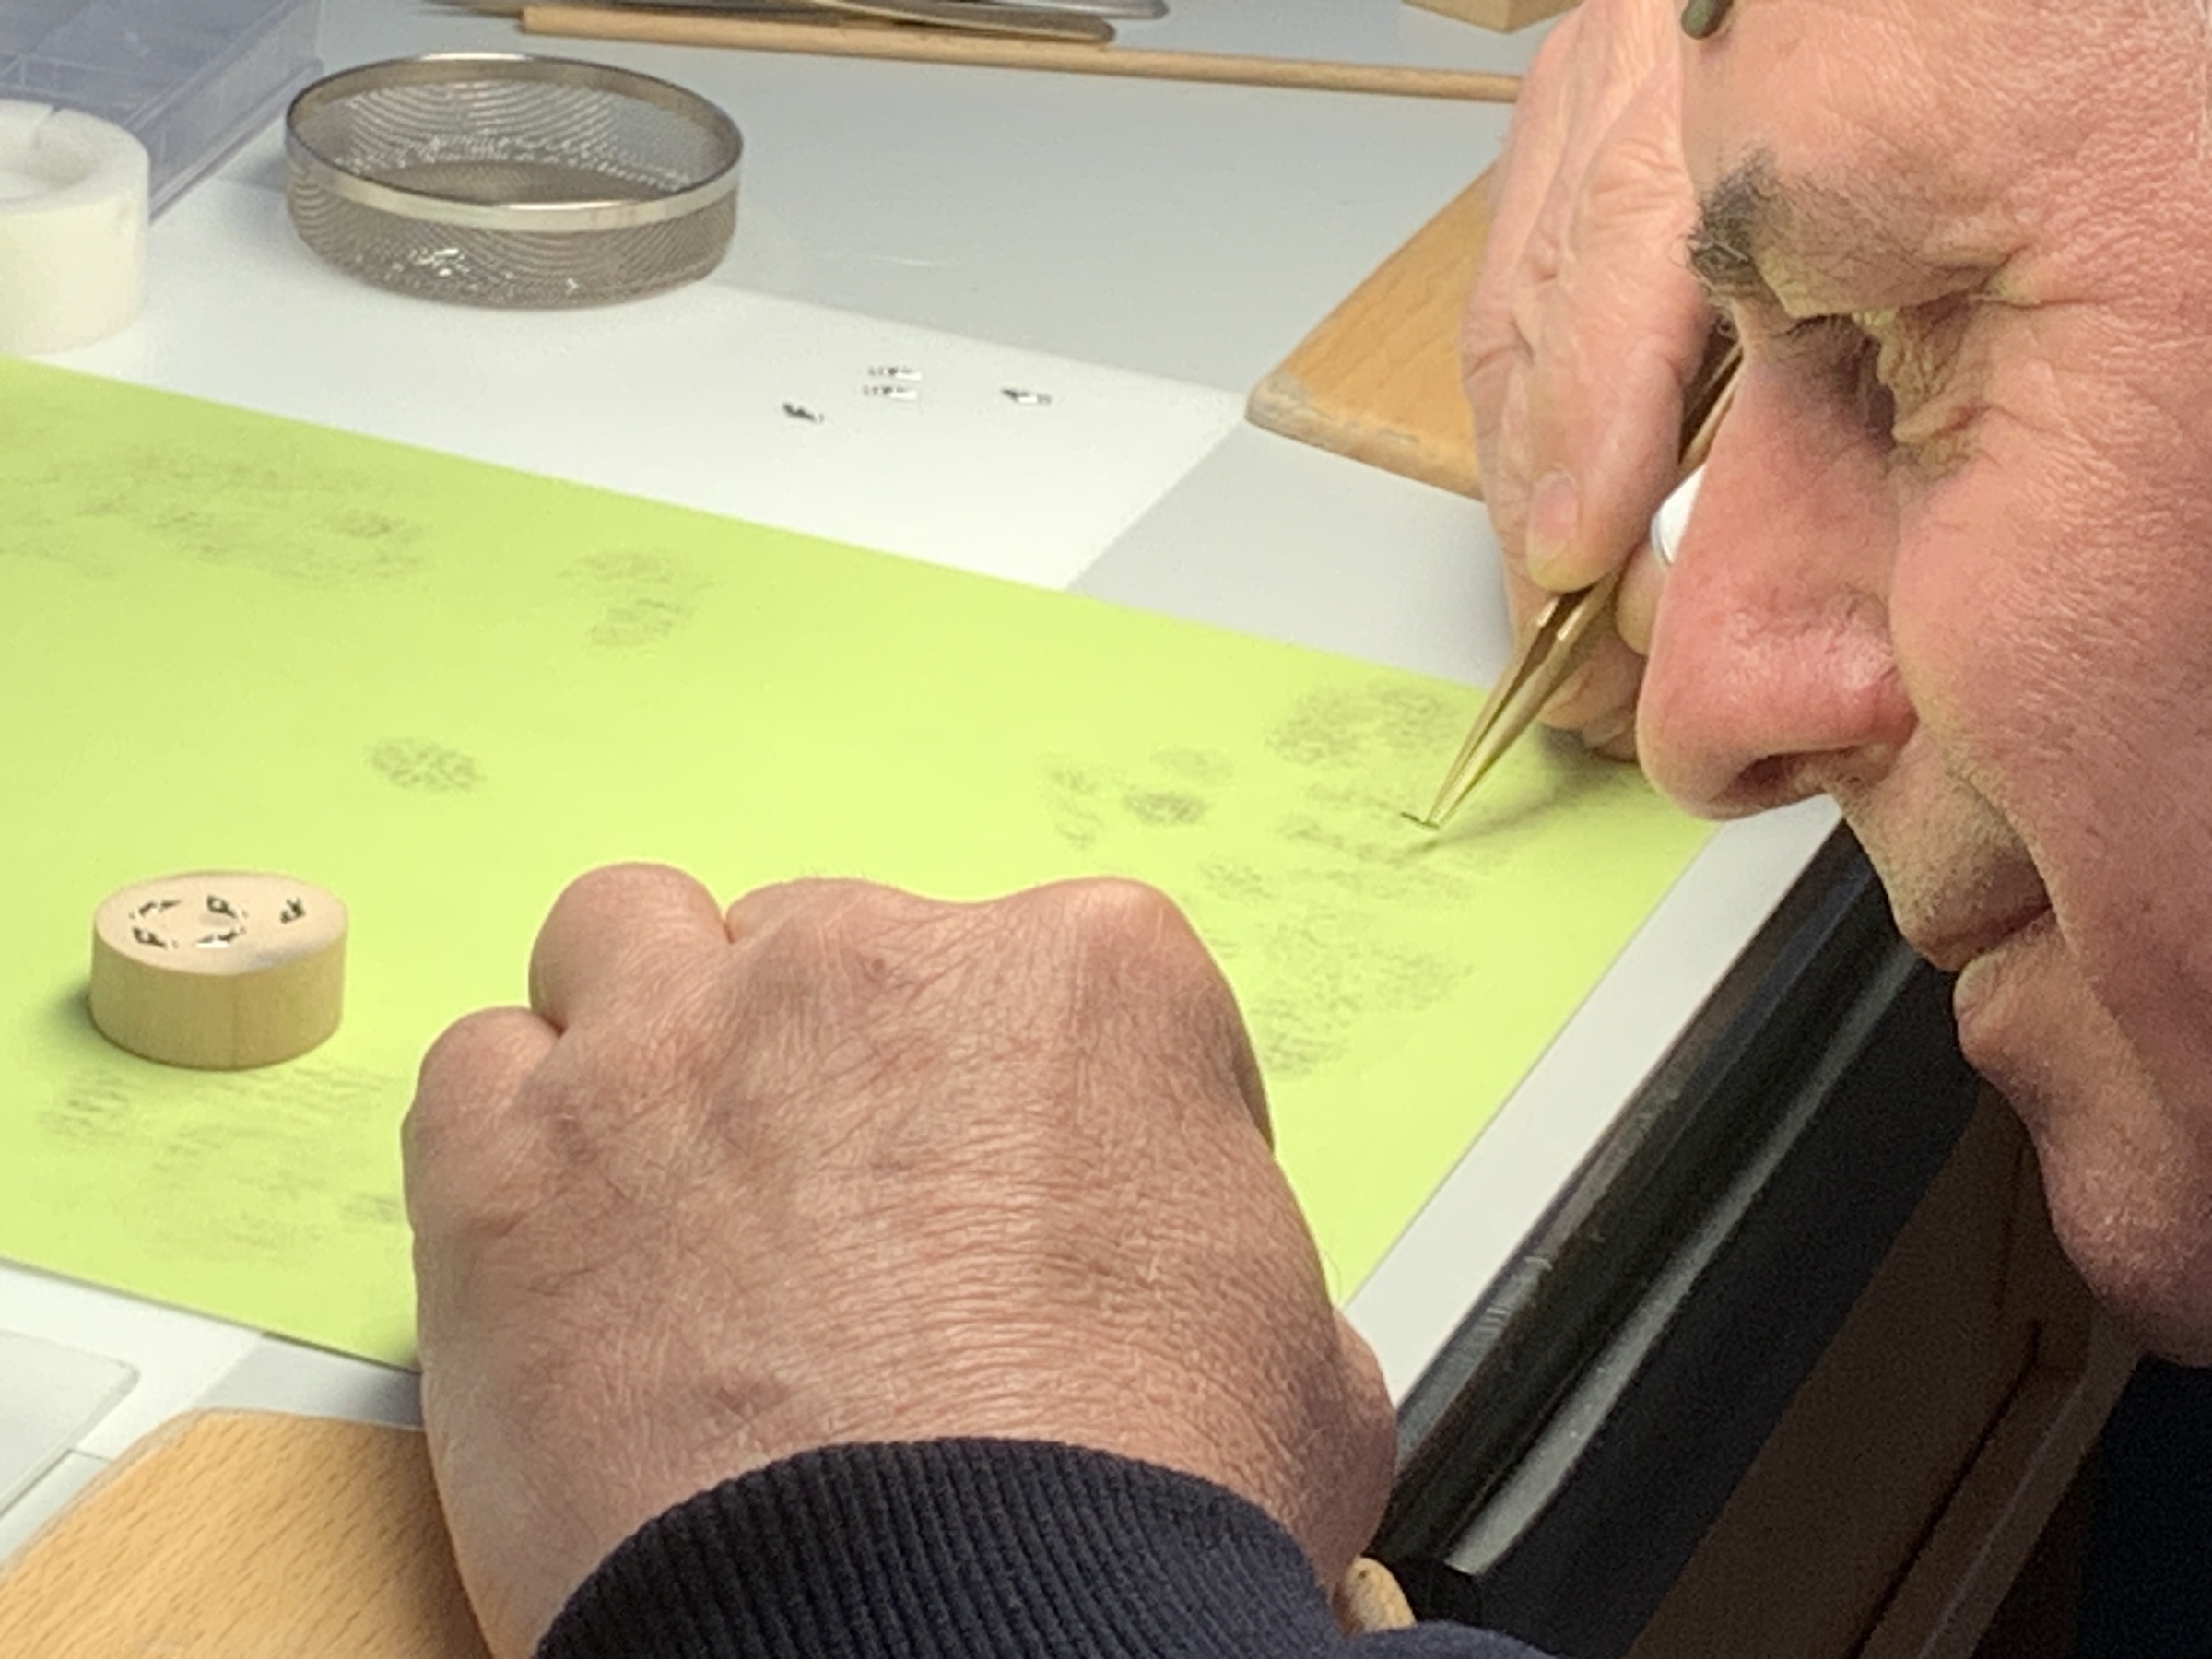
(496, 178)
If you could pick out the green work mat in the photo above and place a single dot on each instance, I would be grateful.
(442, 689)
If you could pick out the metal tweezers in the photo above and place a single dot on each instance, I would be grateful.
(1083, 20)
(1570, 625)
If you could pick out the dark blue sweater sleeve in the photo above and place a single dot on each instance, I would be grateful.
(970, 1549)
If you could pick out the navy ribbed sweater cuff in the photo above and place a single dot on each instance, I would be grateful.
(964, 1549)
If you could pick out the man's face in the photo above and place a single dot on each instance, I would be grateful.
(1952, 562)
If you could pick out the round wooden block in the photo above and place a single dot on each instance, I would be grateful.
(220, 970)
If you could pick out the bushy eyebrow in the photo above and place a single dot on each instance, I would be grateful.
(1816, 245)
(1742, 214)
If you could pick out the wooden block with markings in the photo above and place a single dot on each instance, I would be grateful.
(1504, 16)
(219, 970)
(235, 1533)
(1378, 379)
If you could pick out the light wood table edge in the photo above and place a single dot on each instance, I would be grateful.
(1503, 16)
(1283, 404)
(110, 1471)
(1377, 379)
(225, 1533)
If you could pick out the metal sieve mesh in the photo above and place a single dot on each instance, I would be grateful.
(498, 180)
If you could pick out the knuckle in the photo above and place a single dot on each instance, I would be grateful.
(857, 946)
(1529, 304)
(612, 882)
(1112, 915)
(468, 1075)
(441, 1081)
(856, 920)
(1134, 938)
(1555, 56)
(1490, 340)
(439, 1107)
(799, 893)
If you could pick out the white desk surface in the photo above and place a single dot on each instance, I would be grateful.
(1142, 252)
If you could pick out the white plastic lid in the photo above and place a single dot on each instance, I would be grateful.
(73, 222)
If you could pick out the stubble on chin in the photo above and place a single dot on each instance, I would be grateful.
(2127, 1171)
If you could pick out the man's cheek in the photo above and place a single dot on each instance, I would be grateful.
(1992, 652)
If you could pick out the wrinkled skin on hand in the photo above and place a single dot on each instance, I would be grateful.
(1585, 326)
(849, 1165)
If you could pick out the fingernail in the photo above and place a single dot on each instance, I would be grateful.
(1553, 510)
(1702, 18)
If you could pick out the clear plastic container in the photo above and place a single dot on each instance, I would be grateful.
(192, 79)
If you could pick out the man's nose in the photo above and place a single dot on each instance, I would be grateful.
(1771, 676)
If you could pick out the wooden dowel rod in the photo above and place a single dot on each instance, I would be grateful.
(944, 46)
